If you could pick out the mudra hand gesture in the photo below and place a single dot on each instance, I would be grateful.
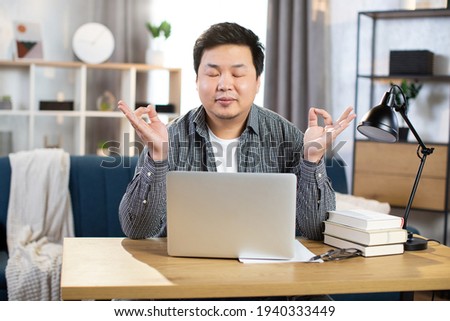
(153, 133)
(317, 139)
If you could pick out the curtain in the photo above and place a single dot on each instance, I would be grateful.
(126, 19)
(295, 58)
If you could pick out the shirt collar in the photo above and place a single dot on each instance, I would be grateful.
(199, 120)
(253, 119)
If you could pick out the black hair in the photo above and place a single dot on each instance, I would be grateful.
(229, 33)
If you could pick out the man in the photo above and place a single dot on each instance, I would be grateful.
(228, 61)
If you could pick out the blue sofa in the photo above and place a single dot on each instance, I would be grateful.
(96, 186)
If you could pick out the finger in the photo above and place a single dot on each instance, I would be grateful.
(123, 107)
(347, 119)
(312, 118)
(126, 110)
(328, 120)
(345, 114)
(152, 114)
(135, 118)
(338, 128)
(140, 112)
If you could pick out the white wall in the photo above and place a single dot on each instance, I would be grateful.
(189, 19)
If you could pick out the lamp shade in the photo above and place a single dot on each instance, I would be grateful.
(380, 123)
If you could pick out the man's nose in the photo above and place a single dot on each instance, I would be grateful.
(225, 82)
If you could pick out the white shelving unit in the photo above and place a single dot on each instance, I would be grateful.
(29, 82)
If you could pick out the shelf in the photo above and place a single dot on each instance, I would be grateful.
(444, 78)
(413, 145)
(111, 114)
(58, 113)
(76, 64)
(14, 113)
(31, 81)
(398, 14)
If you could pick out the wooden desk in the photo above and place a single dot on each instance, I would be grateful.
(107, 268)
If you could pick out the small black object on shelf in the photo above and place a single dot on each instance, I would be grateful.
(56, 105)
(160, 108)
(411, 62)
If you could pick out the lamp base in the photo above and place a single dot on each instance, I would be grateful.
(415, 244)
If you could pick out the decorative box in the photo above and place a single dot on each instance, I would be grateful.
(167, 108)
(56, 105)
(411, 62)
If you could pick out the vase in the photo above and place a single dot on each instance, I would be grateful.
(154, 57)
(155, 52)
(403, 134)
(106, 101)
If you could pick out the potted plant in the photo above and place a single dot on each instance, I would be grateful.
(411, 90)
(159, 33)
(5, 102)
(102, 148)
(164, 29)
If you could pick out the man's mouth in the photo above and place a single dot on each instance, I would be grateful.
(225, 101)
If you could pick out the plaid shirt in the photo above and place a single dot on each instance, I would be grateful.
(269, 143)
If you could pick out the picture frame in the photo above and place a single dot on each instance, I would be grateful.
(28, 40)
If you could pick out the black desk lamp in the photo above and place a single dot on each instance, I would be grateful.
(380, 124)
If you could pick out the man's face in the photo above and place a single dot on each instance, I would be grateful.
(227, 83)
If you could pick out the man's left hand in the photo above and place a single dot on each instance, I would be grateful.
(317, 138)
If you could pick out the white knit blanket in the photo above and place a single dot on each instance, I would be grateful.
(350, 202)
(39, 217)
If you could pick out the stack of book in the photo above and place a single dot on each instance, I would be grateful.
(370, 232)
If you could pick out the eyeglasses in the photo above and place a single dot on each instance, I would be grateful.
(337, 254)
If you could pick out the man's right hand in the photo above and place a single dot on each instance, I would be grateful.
(153, 133)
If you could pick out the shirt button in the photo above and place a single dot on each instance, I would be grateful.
(149, 174)
(319, 175)
(144, 201)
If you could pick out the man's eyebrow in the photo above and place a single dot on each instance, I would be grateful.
(211, 65)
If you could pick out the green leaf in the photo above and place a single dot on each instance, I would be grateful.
(164, 28)
(410, 90)
(154, 30)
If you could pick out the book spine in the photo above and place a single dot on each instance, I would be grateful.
(367, 251)
(375, 237)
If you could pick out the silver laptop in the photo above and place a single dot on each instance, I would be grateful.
(231, 215)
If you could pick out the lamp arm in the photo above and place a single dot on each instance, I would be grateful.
(425, 151)
(414, 189)
(402, 111)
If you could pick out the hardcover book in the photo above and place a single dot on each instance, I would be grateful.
(365, 219)
(367, 251)
(366, 237)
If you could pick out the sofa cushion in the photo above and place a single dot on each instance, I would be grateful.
(5, 182)
(3, 287)
(336, 172)
(3, 262)
(97, 185)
